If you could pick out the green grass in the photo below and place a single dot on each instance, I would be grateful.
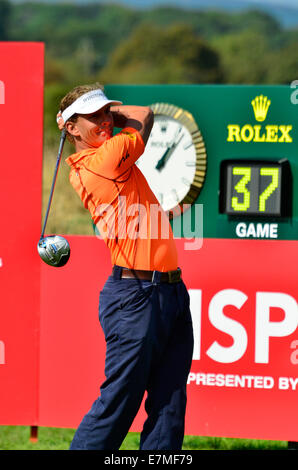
(18, 438)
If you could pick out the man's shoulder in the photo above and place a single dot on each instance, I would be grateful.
(78, 156)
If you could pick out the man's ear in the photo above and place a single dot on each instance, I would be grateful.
(72, 129)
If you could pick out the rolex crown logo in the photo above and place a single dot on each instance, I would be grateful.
(260, 106)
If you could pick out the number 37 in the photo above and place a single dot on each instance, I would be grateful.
(241, 187)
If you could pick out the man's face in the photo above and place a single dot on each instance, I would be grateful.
(94, 129)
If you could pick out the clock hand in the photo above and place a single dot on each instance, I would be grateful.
(163, 160)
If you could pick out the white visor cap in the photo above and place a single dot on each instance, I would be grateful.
(88, 103)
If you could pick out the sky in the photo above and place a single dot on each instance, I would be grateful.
(284, 3)
(291, 3)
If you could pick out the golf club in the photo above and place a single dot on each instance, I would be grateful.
(54, 249)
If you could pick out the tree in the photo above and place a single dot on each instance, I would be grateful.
(53, 70)
(86, 56)
(156, 55)
(245, 57)
(284, 65)
(5, 10)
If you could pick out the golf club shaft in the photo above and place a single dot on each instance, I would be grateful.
(62, 140)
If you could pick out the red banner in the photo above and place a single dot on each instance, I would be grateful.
(21, 129)
(244, 380)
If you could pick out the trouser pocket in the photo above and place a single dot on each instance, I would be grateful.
(136, 313)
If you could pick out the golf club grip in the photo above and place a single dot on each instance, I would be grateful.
(62, 140)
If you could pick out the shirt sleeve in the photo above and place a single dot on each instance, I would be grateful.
(117, 154)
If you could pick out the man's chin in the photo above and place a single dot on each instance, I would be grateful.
(103, 136)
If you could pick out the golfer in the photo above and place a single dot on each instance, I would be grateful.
(144, 305)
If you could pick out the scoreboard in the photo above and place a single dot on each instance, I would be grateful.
(246, 155)
(255, 188)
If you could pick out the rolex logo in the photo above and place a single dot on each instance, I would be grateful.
(260, 106)
(258, 133)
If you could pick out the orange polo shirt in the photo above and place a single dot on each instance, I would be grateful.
(122, 205)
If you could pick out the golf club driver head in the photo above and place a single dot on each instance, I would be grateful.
(54, 250)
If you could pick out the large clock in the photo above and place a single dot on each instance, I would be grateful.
(174, 161)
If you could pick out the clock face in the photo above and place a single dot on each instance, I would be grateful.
(174, 161)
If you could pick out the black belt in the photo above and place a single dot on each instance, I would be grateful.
(169, 276)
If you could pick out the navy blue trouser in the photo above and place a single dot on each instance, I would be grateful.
(148, 332)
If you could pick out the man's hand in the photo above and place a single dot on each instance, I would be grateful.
(60, 121)
(139, 117)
